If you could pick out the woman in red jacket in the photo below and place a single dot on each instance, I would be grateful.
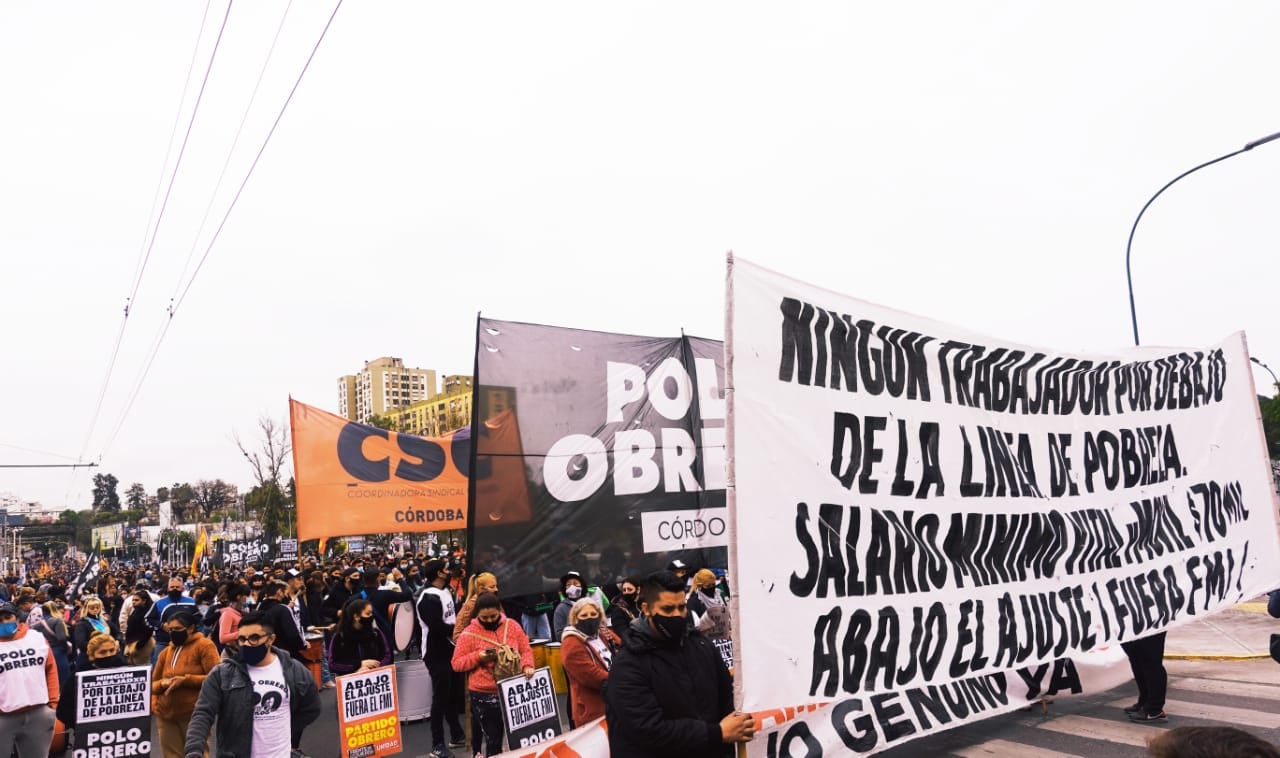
(477, 654)
(587, 650)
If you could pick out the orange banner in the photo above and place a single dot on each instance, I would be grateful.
(358, 479)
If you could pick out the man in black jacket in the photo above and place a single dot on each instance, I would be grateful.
(288, 636)
(436, 615)
(669, 693)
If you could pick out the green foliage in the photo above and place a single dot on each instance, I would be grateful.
(1270, 407)
(267, 503)
(135, 498)
(82, 523)
(105, 497)
(122, 517)
(387, 422)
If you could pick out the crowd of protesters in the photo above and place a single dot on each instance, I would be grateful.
(216, 639)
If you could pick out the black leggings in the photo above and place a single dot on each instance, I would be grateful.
(485, 709)
(1146, 659)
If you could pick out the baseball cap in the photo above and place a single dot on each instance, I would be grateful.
(9, 608)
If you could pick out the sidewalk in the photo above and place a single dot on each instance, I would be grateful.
(1238, 633)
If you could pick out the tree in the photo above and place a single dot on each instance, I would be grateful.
(180, 497)
(82, 522)
(387, 422)
(105, 497)
(267, 462)
(209, 495)
(162, 494)
(1270, 407)
(136, 496)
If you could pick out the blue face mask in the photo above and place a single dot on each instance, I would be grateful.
(8, 628)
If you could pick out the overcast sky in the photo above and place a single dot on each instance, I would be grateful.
(588, 165)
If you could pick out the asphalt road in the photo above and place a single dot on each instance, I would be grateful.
(1240, 693)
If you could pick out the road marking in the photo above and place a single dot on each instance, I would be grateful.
(1224, 687)
(1006, 749)
(1187, 709)
(1124, 732)
(1251, 716)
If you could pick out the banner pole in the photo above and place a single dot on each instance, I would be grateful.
(730, 484)
(472, 456)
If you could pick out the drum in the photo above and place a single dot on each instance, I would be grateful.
(312, 653)
(403, 621)
(539, 652)
(558, 678)
(413, 689)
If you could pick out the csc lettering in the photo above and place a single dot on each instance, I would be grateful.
(430, 463)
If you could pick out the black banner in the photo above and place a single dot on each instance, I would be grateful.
(621, 441)
(241, 553)
(88, 576)
(288, 550)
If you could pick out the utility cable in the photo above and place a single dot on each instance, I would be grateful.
(173, 308)
(143, 252)
(230, 153)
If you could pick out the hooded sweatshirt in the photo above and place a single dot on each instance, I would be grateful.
(28, 673)
(190, 663)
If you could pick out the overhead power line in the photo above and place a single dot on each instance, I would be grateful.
(230, 153)
(143, 250)
(174, 307)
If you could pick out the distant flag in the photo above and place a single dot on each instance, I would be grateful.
(89, 574)
(323, 541)
(202, 548)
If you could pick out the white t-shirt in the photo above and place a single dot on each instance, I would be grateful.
(271, 714)
(602, 650)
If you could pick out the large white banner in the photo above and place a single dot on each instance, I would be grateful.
(950, 520)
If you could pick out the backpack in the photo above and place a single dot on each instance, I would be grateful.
(508, 663)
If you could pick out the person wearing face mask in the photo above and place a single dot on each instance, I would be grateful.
(164, 608)
(358, 645)
(625, 608)
(708, 609)
(669, 692)
(477, 654)
(104, 653)
(139, 640)
(229, 618)
(91, 623)
(483, 583)
(572, 589)
(587, 650)
(261, 700)
(54, 629)
(436, 616)
(180, 671)
(28, 688)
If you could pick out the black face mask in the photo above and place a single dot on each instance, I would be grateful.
(107, 662)
(178, 637)
(589, 627)
(175, 594)
(491, 625)
(630, 597)
(671, 628)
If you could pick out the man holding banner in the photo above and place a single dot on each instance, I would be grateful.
(28, 688)
(669, 692)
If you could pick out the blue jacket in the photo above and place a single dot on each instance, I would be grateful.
(163, 610)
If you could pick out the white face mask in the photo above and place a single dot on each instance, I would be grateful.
(573, 592)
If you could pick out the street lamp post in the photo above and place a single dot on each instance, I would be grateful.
(1275, 383)
(1133, 312)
